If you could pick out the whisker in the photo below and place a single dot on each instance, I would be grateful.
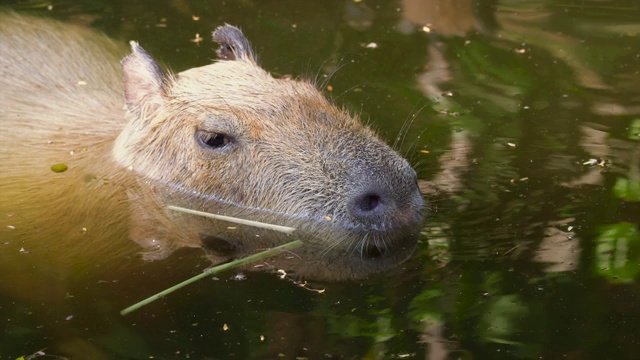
(404, 130)
(363, 246)
(347, 90)
(331, 74)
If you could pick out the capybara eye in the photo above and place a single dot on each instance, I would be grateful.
(212, 140)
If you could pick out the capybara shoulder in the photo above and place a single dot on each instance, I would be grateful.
(226, 138)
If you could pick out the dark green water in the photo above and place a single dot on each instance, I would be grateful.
(523, 121)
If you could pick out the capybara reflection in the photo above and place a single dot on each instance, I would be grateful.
(226, 138)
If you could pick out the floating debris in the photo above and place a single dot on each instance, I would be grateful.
(281, 273)
(59, 168)
(239, 277)
(595, 161)
(197, 39)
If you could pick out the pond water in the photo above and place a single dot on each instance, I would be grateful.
(522, 119)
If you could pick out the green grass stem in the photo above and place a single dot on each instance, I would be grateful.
(214, 270)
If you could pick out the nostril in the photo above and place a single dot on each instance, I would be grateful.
(371, 205)
(368, 205)
(368, 202)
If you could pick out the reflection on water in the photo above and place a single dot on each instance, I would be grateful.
(521, 118)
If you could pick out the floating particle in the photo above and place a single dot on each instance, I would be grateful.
(197, 39)
(281, 273)
(58, 168)
(239, 277)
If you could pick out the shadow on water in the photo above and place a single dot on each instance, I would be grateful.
(523, 122)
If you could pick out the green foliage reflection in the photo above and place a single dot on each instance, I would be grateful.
(618, 252)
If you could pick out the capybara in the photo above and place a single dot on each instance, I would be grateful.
(226, 138)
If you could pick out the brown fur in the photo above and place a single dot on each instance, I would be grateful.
(293, 158)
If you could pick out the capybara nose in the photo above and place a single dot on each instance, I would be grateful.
(382, 205)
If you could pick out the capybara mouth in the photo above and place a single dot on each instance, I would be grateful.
(394, 246)
(218, 245)
(336, 250)
(373, 251)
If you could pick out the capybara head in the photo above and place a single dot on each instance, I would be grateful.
(231, 135)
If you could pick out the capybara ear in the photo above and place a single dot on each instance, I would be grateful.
(144, 81)
(233, 44)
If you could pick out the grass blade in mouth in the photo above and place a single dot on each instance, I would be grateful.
(279, 228)
(214, 270)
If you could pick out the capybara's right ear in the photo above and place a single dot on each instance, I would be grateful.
(144, 81)
(233, 44)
